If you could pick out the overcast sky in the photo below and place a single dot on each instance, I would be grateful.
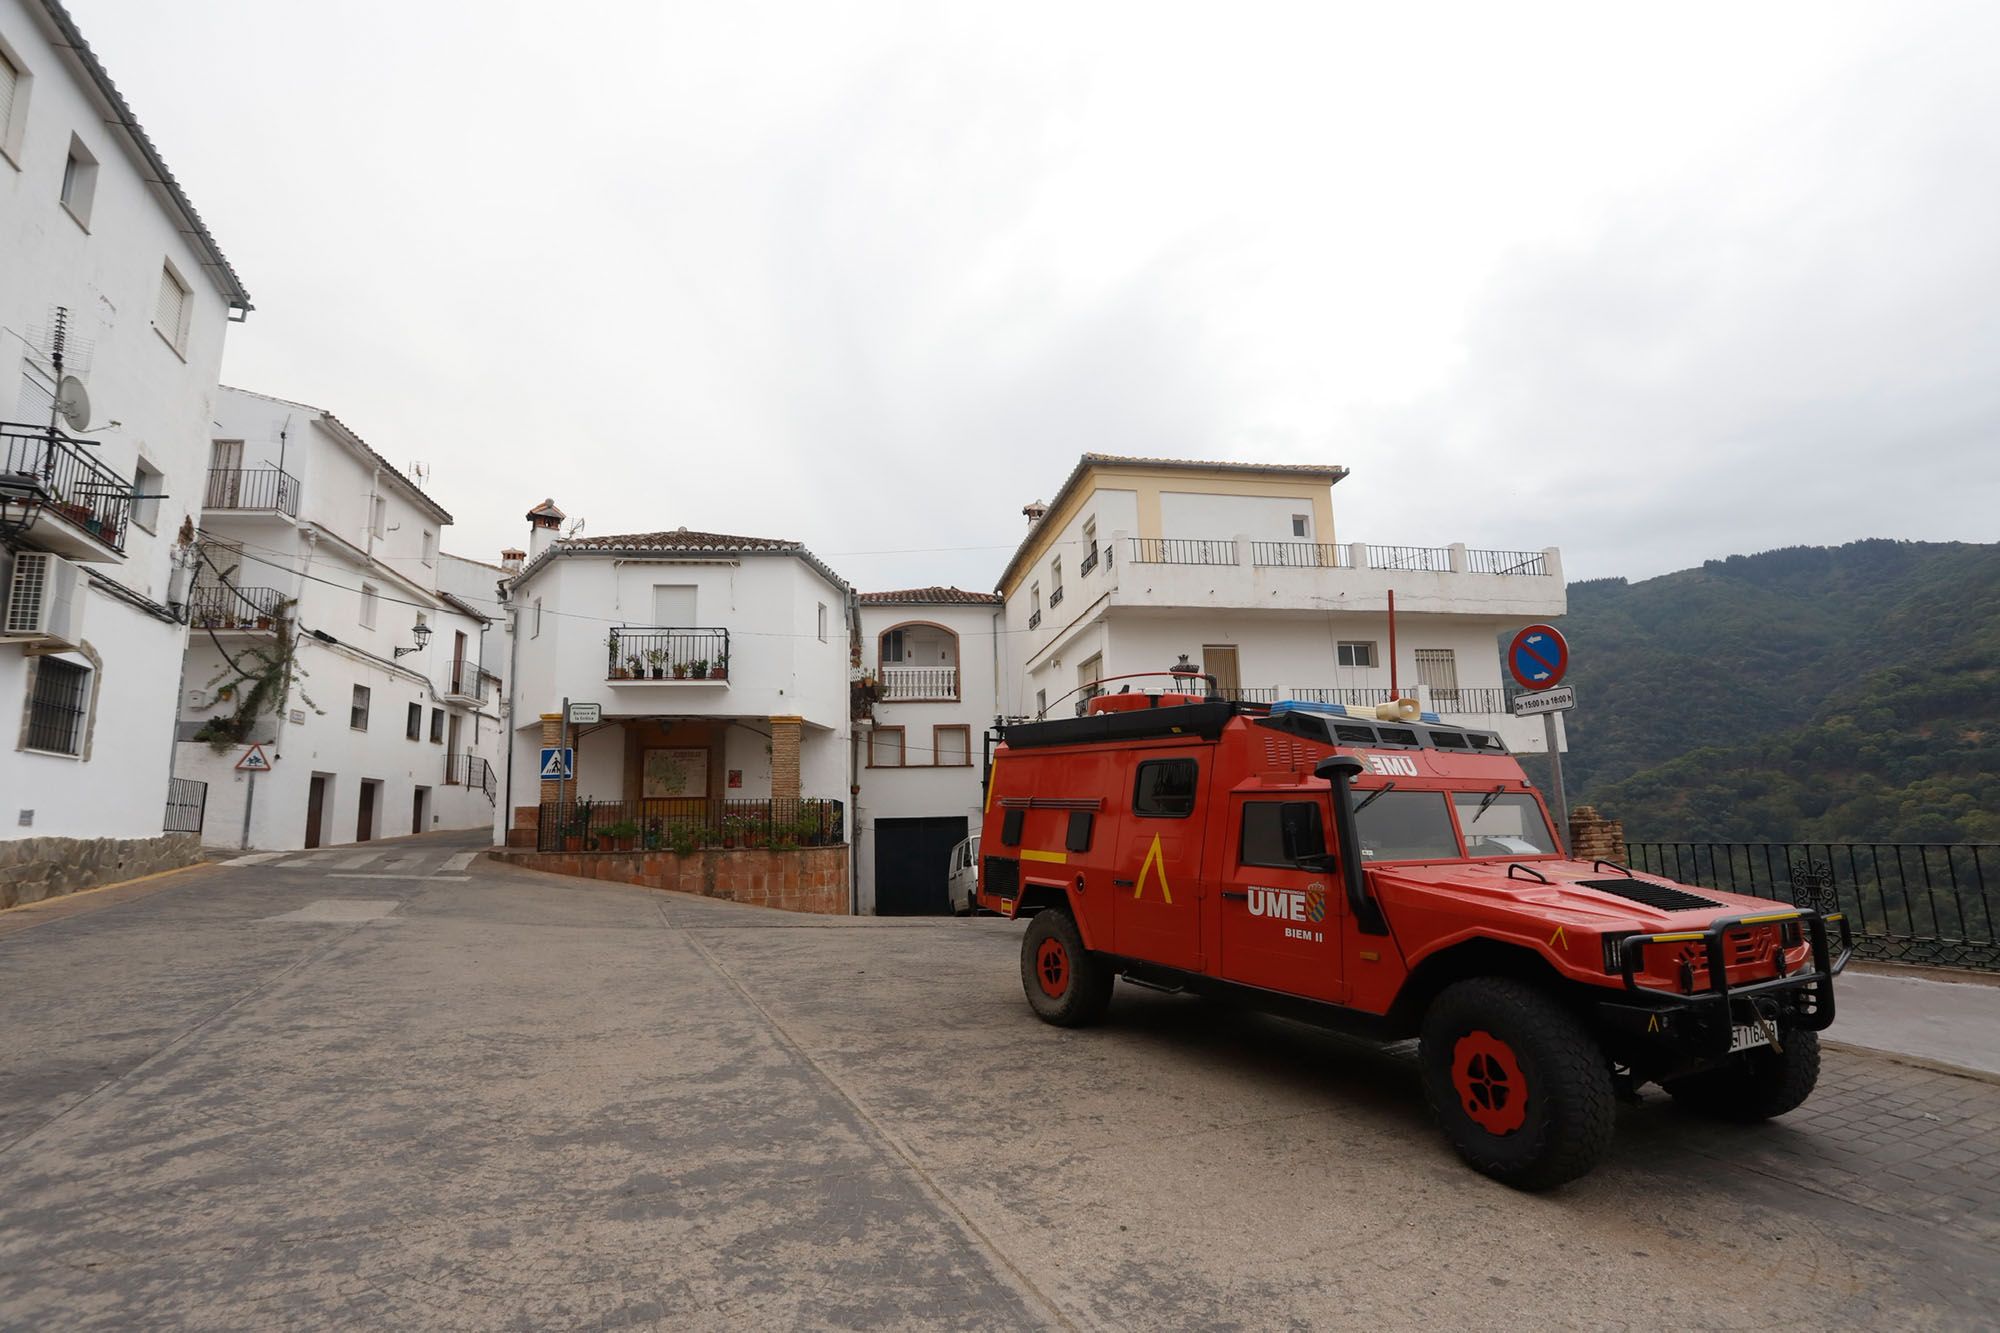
(1649, 287)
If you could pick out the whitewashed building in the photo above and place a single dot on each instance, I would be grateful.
(114, 297)
(934, 660)
(720, 666)
(1138, 562)
(318, 551)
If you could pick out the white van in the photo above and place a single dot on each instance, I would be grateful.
(963, 887)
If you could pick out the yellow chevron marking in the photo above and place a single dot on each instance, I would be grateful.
(1155, 860)
(1559, 940)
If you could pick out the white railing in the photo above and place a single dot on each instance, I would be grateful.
(912, 684)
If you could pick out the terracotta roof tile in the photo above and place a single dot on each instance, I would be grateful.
(932, 596)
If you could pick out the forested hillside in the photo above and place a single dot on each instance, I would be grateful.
(1812, 693)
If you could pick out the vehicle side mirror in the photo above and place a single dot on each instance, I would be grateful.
(1300, 834)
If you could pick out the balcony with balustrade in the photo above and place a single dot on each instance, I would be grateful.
(55, 497)
(1239, 573)
(252, 490)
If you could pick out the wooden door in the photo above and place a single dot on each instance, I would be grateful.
(451, 763)
(1219, 661)
(315, 809)
(364, 824)
(417, 809)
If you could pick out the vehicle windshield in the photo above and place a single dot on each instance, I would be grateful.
(1502, 824)
(1404, 826)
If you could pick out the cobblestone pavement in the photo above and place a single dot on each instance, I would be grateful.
(425, 1091)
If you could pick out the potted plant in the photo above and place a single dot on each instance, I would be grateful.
(719, 669)
(634, 667)
(621, 834)
(611, 642)
(680, 670)
(683, 838)
(655, 834)
(656, 658)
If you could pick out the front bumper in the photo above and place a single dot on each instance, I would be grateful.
(1699, 1022)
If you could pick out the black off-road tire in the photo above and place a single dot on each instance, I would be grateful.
(1066, 984)
(1757, 1084)
(1519, 1086)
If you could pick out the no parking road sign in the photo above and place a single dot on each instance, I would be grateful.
(1538, 657)
(558, 763)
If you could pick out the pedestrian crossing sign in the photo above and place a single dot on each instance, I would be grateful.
(558, 763)
(254, 760)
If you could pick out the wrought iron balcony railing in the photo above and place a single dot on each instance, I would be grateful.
(266, 489)
(211, 606)
(664, 652)
(47, 473)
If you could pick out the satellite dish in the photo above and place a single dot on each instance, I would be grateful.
(73, 402)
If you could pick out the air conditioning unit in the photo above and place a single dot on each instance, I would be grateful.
(45, 599)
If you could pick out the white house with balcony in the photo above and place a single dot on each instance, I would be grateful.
(324, 633)
(933, 657)
(718, 667)
(1138, 562)
(114, 299)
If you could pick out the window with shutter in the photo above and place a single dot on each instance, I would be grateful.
(10, 79)
(171, 312)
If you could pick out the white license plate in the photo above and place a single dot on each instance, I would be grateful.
(1745, 1035)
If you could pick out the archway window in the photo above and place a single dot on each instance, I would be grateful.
(918, 662)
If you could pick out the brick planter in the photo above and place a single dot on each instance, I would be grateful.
(809, 879)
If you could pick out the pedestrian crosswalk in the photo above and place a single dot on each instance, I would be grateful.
(410, 861)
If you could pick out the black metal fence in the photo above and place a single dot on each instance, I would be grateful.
(1301, 555)
(1929, 903)
(1506, 562)
(686, 824)
(213, 607)
(264, 488)
(66, 481)
(660, 652)
(469, 770)
(187, 804)
(1183, 551)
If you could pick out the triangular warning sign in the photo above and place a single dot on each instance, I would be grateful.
(254, 760)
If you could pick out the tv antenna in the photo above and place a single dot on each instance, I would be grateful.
(420, 473)
(576, 526)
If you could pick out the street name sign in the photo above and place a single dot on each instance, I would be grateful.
(1558, 700)
(585, 715)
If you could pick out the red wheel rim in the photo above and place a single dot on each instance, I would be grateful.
(1492, 1091)
(1052, 968)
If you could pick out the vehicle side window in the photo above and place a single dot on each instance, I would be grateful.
(1165, 788)
(1263, 833)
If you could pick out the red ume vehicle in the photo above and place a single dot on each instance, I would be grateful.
(1387, 874)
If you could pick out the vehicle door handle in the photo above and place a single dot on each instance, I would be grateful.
(1124, 883)
(1244, 894)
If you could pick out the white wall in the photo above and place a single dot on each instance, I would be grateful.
(1263, 518)
(108, 276)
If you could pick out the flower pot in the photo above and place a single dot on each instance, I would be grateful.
(659, 673)
(718, 673)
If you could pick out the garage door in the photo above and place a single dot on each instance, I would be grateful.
(913, 863)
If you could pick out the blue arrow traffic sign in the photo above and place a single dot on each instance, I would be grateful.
(1538, 657)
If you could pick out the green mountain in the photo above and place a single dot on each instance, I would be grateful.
(1812, 693)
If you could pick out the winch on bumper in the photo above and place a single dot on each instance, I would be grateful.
(1699, 1025)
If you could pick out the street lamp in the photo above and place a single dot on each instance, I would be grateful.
(422, 634)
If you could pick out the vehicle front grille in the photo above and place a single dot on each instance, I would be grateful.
(1002, 878)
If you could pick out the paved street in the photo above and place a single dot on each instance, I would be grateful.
(404, 1087)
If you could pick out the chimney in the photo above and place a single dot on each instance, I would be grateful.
(1036, 512)
(512, 558)
(544, 526)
